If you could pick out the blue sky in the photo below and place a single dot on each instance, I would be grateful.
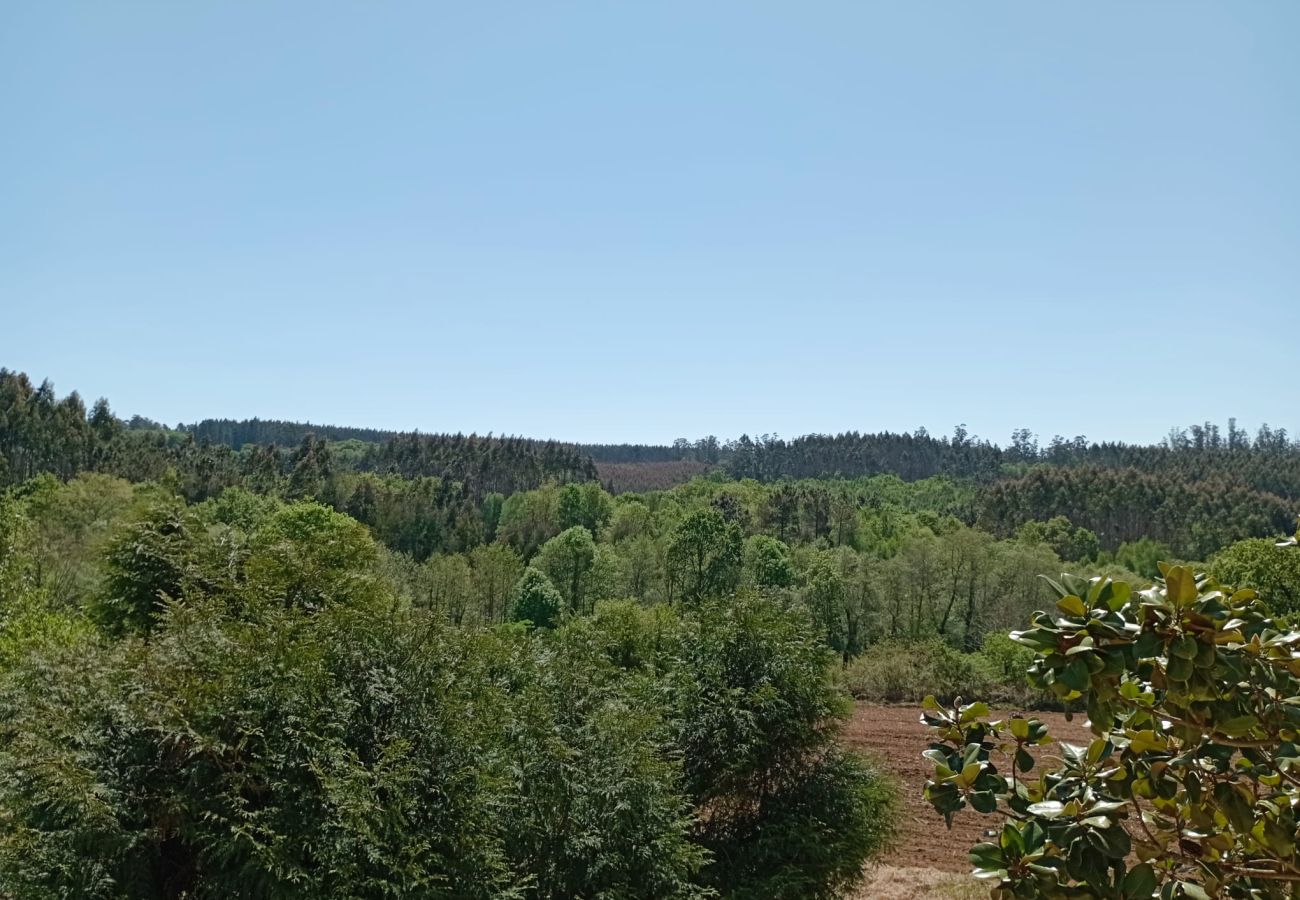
(614, 221)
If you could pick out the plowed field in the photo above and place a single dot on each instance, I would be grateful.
(895, 736)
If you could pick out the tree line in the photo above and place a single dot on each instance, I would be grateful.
(1197, 492)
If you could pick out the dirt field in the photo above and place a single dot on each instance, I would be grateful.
(927, 855)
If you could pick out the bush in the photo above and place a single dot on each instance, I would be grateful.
(1006, 665)
(756, 714)
(596, 808)
(1187, 789)
(328, 755)
(328, 750)
(906, 671)
(1264, 565)
(811, 840)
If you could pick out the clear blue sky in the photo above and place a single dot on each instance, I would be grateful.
(618, 221)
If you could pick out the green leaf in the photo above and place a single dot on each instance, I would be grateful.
(1147, 645)
(1238, 810)
(1140, 882)
(1120, 592)
(1180, 585)
(1179, 668)
(1036, 638)
(1012, 840)
(1184, 646)
(1238, 726)
(1024, 761)
(1074, 754)
(1035, 837)
(1072, 605)
(1047, 809)
(988, 857)
(1278, 839)
(1076, 675)
(1056, 586)
(983, 801)
(1115, 842)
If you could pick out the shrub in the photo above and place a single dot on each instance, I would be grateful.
(755, 713)
(906, 671)
(332, 754)
(596, 808)
(1271, 569)
(1189, 788)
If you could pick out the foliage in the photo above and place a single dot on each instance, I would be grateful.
(1193, 516)
(1196, 492)
(271, 749)
(308, 756)
(788, 813)
(769, 561)
(898, 671)
(1189, 787)
(1141, 557)
(704, 555)
(29, 622)
(570, 561)
(597, 808)
(146, 564)
(1261, 564)
(308, 556)
(1065, 540)
(535, 600)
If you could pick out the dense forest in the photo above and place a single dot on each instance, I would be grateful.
(346, 666)
(1195, 492)
(236, 433)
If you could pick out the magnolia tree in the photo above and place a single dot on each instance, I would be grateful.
(1191, 784)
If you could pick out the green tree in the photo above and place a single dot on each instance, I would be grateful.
(569, 560)
(339, 754)
(494, 569)
(150, 561)
(640, 568)
(768, 561)
(826, 597)
(529, 519)
(535, 600)
(29, 622)
(491, 512)
(308, 556)
(789, 813)
(1264, 565)
(1064, 539)
(598, 808)
(448, 587)
(705, 555)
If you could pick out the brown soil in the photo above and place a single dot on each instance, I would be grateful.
(895, 736)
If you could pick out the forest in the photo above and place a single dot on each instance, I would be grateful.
(273, 659)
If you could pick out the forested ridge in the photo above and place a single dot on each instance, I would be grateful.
(1268, 461)
(1196, 491)
(236, 433)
